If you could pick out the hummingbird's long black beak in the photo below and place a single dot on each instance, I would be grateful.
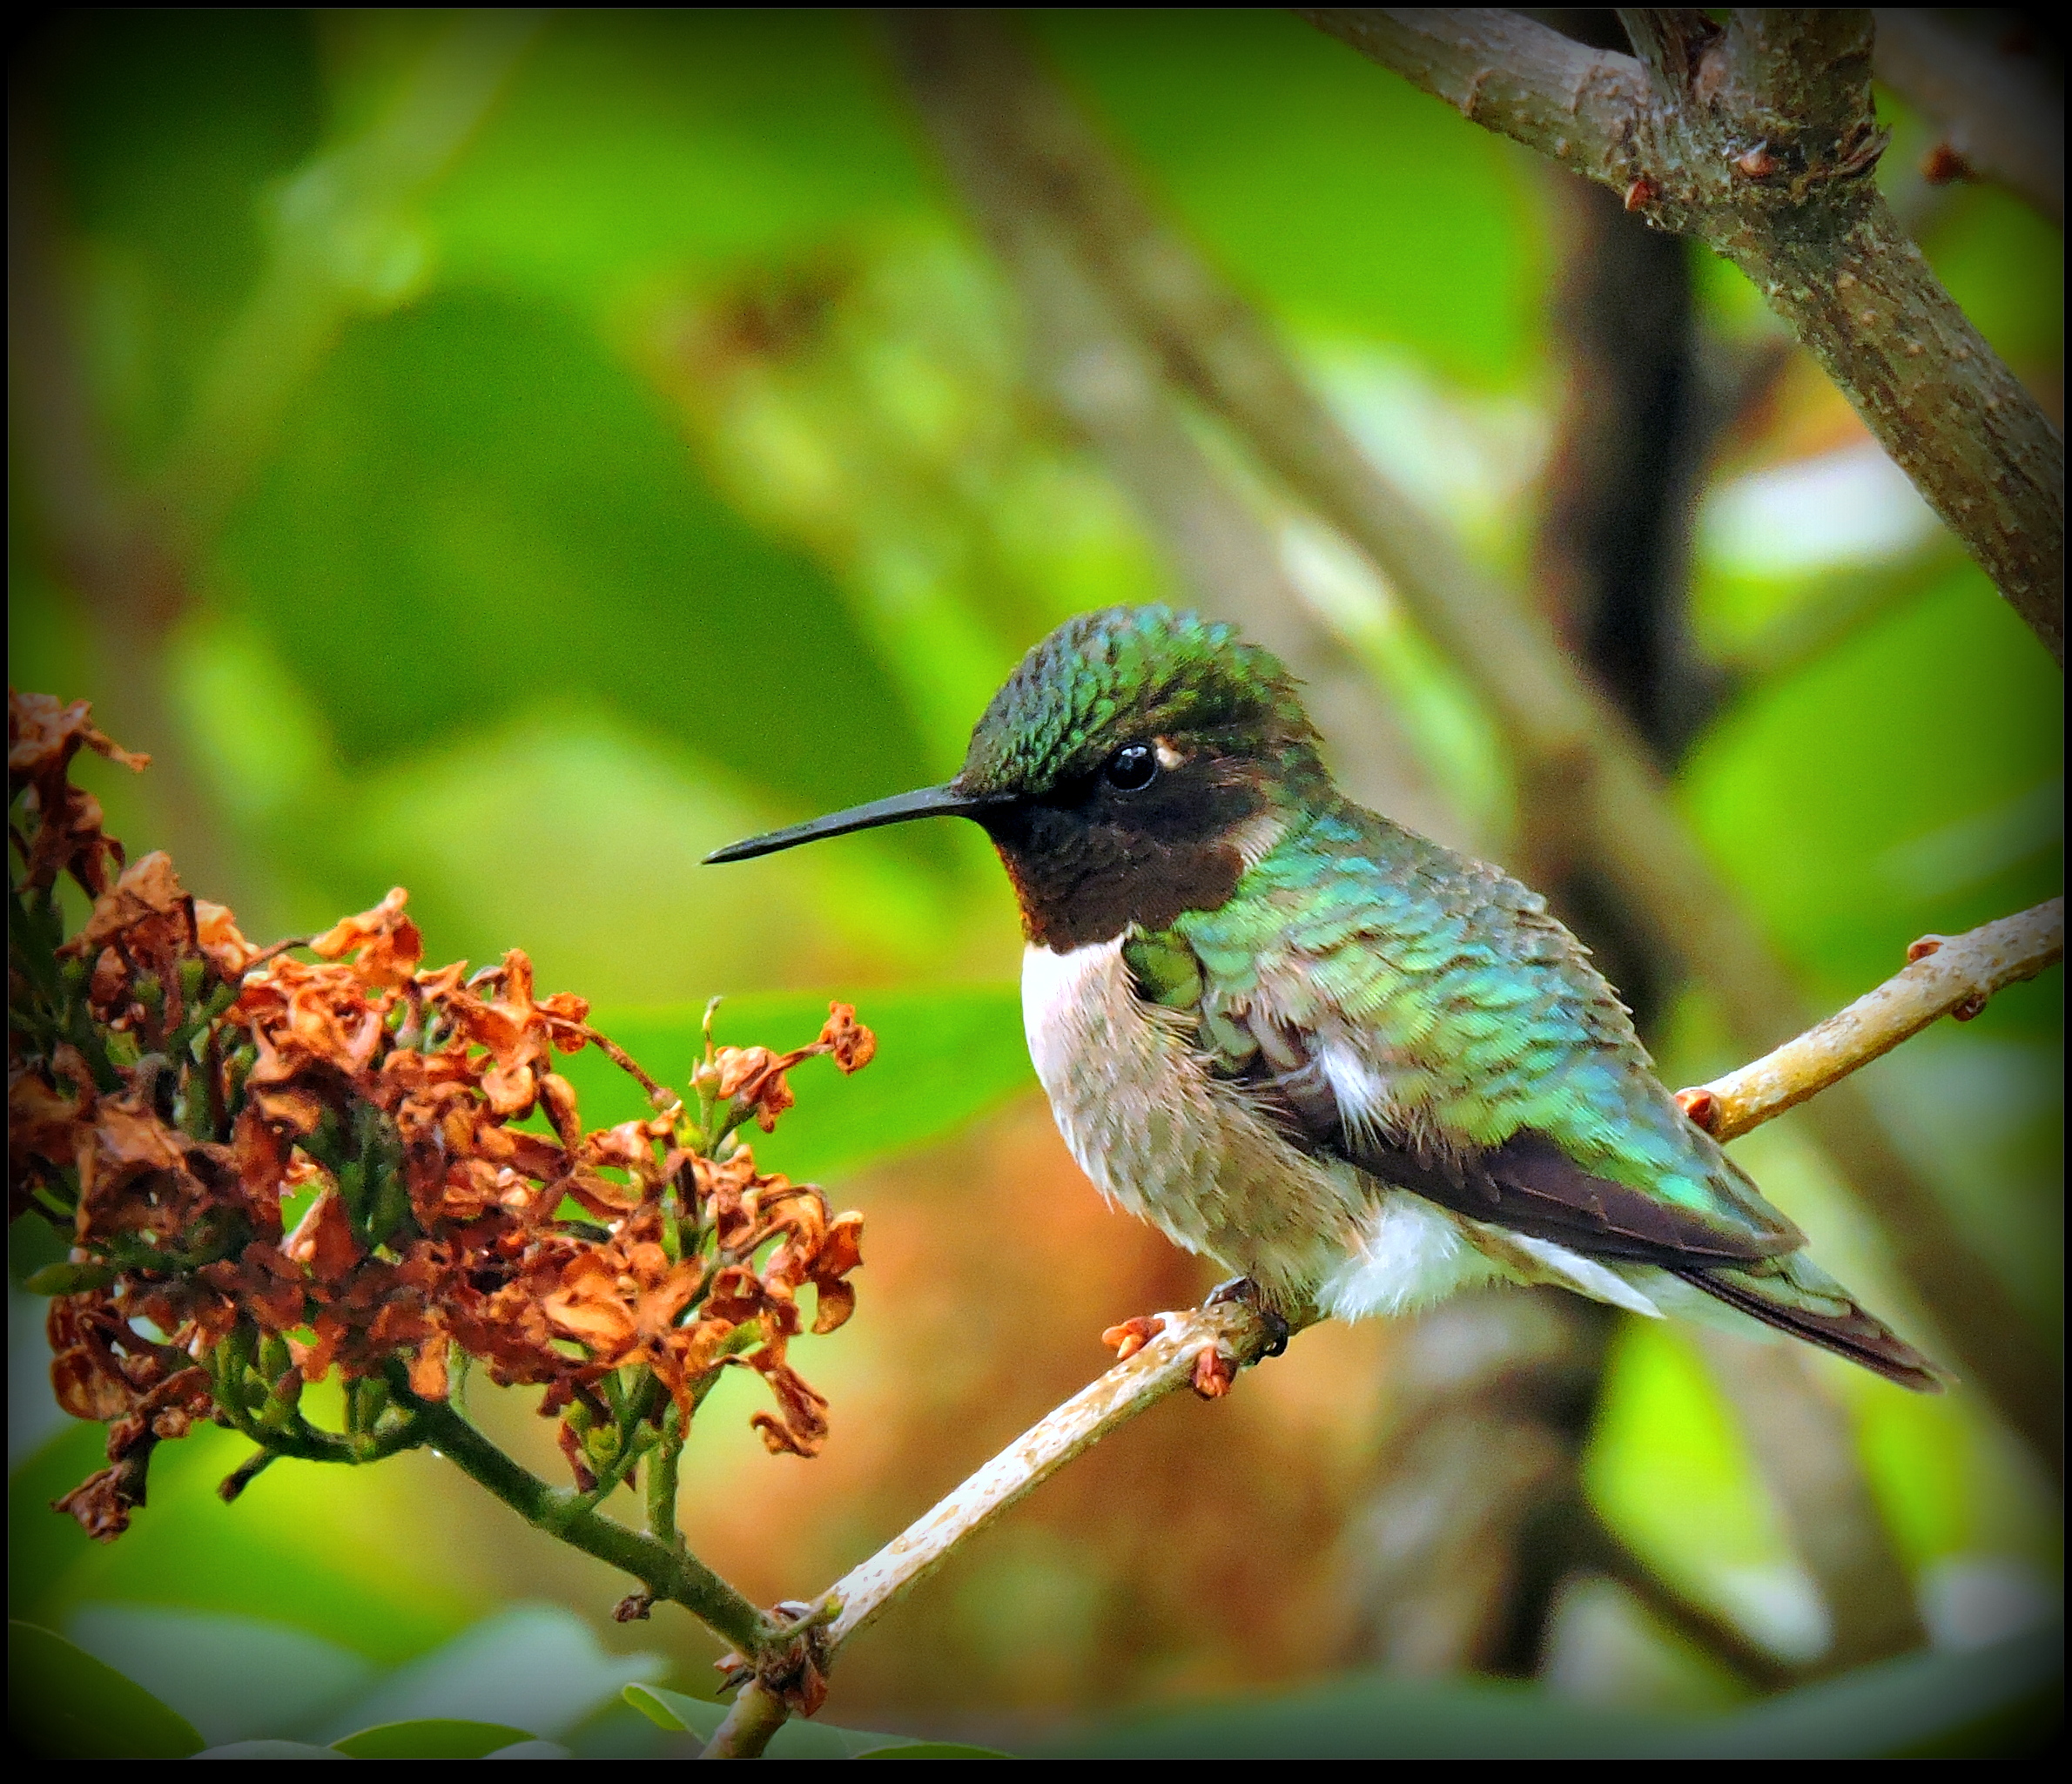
(930, 802)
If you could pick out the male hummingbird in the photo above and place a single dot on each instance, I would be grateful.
(1356, 1067)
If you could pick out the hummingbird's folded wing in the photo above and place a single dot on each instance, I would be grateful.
(1425, 1018)
(1529, 1185)
(1337, 1102)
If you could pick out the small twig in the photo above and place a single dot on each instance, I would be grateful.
(658, 1094)
(631, 1449)
(1599, 1547)
(1163, 1365)
(663, 1462)
(244, 1473)
(865, 1592)
(1947, 976)
(2003, 114)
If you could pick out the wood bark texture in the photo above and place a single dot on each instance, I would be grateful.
(1759, 138)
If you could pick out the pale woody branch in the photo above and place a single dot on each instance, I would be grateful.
(1165, 1363)
(1947, 976)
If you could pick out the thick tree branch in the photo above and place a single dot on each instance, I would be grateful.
(1946, 975)
(1576, 753)
(1761, 141)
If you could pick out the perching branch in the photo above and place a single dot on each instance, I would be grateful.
(1945, 976)
(1956, 977)
(865, 1592)
(1759, 140)
(1576, 754)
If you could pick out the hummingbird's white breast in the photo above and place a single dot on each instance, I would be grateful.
(1166, 1140)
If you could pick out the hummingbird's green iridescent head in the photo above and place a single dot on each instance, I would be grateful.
(1124, 675)
(1132, 766)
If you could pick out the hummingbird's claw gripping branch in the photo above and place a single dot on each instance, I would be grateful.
(1243, 1288)
(1131, 1337)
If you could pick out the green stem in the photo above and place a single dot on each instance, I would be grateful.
(661, 1481)
(672, 1573)
(244, 1473)
(758, 1714)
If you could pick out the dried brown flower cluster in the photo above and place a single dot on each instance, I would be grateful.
(170, 1085)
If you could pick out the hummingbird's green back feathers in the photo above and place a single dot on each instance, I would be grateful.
(1450, 1017)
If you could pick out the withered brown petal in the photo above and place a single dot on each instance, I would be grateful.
(853, 1044)
(323, 1239)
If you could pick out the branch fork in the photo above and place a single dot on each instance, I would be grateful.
(1758, 137)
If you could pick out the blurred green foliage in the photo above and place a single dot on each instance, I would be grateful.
(680, 480)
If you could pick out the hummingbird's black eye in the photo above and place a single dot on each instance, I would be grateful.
(1133, 768)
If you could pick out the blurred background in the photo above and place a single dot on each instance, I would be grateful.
(509, 455)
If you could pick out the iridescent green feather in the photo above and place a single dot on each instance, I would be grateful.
(1128, 672)
(1482, 1012)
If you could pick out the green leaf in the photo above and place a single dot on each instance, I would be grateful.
(799, 1739)
(945, 1057)
(535, 1666)
(795, 1739)
(62, 1704)
(34, 1243)
(2002, 1701)
(934, 1750)
(673, 1709)
(269, 1750)
(430, 1739)
(68, 1278)
(522, 529)
(234, 1677)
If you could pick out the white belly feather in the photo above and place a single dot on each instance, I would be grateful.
(1166, 1140)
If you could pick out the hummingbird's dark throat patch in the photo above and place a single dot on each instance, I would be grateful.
(1090, 860)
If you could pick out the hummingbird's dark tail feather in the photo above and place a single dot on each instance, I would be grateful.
(1795, 1296)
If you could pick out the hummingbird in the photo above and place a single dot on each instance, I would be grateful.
(1357, 1068)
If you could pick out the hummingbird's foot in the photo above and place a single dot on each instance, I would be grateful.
(1214, 1374)
(1131, 1337)
(1245, 1289)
